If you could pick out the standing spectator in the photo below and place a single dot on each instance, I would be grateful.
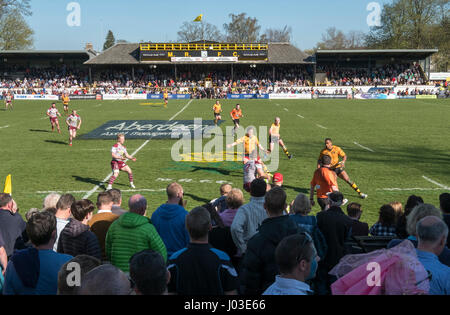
(297, 260)
(325, 180)
(220, 204)
(200, 269)
(116, 195)
(149, 272)
(50, 201)
(105, 280)
(336, 227)
(258, 266)
(412, 202)
(354, 212)
(386, 222)
(34, 271)
(76, 239)
(3, 258)
(132, 233)
(11, 223)
(62, 215)
(432, 235)
(250, 216)
(169, 220)
(234, 200)
(444, 201)
(101, 221)
(85, 263)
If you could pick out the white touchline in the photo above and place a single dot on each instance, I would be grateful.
(300, 116)
(366, 148)
(93, 190)
(320, 126)
(286, 109)
(4, 127)
(407, 189)
(436, 183)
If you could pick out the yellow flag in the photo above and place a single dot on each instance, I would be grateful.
(8, 185)
(199, 18)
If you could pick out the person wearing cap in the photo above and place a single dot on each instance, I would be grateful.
(277, 180)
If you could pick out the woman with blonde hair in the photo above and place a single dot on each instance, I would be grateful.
(235, 199)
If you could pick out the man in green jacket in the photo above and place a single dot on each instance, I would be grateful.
(131, 233)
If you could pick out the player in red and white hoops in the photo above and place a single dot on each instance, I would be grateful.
(53, 113)
(119, 157)
(74, 123)
(8, 101)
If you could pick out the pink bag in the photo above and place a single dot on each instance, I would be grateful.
(392, 271)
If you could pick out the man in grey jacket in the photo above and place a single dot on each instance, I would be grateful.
(249, 216)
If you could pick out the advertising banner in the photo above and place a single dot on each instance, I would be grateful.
(83, 96)
(304, 96)
(247, 96)
(36, 97)
(426, 97)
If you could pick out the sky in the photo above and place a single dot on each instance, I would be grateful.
(159, 21)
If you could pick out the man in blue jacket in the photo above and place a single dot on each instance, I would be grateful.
(169, 220)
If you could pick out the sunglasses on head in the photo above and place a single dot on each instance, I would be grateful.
(307, 239)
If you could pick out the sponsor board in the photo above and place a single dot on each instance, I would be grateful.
(171, 96)
(370, 96)
(426, 97)
(150, 129)
(276, 96)
(247, 96)
(37, 97)
(331, 96)
(408, 97)
(83, 96)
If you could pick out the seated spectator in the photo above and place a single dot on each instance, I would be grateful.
(200, 269)
(336, 228)
(419, 212)
(30, 213)
(386, 222)
(116, 195)
(11, 223)
(301, 207)
(297, 261)
(398, 208)
(68, 283)
(354, 212)
(258, 266)
(105, 280)
(220, 204)
(132, 233)
(76, 239)
(277, 180)
(101, 221)
(169, 220)
(34, 271)
(149, 273)
(234, 200)
(432, 235)
(62, 215)
(412, 201)
(444, 201)
(50, 201)
(249, 217)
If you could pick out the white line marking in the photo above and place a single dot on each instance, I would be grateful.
(93, 190)
(277, 104)
(320, 126)
(300, 116)
(408, 189)
(85, 191)
(286, 109)
(365, 148)
(4, 127)
(436, 183)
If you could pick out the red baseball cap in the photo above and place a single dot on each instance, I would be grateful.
(277, 177)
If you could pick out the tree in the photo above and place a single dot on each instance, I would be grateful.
(332, 39)
(15, 33)
(242, 29)
(273, 35)
(198, 31)
(22, 7)
(110, 40)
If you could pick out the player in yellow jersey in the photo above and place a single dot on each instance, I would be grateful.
(337, 165)
(65, 99)
(217, 108)
(166, 98)
(274, 137)
(251, 143)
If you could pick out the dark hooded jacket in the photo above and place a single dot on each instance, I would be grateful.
(76, 239)
(258, 266)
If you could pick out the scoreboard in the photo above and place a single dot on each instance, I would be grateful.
(203, 52)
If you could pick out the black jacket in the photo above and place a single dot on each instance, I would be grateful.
(76, 239)
(12, 226)
(258, 266)
(336, 227)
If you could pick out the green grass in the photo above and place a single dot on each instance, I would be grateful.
(410, 139)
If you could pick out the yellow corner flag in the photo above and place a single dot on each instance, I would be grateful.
(199, 18)
(8, 185)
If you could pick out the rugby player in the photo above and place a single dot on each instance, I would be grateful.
(217, 108)
(236, 115)
(252, 170)
(334, 152)
(65, 99)
(250, 143)
(274, 137)
(324, 181)
(74, 124)
(166, 98)
(119, 157)
(8, 100)
(53, 113)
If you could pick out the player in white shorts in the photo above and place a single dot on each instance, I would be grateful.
(53, 113)
(74, 124)
(8, 101)
(253, 169)
(119, 157)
